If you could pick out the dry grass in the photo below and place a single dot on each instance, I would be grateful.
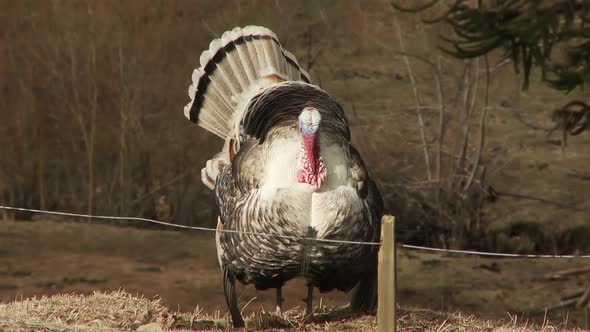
(117, 311)
(99, 311)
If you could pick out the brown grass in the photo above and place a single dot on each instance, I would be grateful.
(99, 311)
(118, 311)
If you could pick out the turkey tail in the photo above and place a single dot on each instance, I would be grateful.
(234, 68)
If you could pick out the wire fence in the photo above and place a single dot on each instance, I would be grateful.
(196, 228)
(209, 229)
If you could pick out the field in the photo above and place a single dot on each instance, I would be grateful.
(180, 269)
(111, 139)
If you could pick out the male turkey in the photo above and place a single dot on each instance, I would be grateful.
(287, 169)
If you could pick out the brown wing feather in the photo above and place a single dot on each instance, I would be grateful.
(365, 185)
(241, 176)
(248, 165)
(364, 296)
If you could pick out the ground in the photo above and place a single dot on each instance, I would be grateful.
(180, 269)
(360, 65)
(116, 311)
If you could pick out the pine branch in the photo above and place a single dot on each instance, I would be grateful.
(526, 31)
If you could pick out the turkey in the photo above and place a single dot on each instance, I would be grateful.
(287, 168)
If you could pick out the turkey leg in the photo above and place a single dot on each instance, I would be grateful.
(229, 287)
(279, 309)
(309, 300)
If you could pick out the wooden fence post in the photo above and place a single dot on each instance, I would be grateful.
(386, 320)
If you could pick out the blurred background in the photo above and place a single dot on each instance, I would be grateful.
(91, 121)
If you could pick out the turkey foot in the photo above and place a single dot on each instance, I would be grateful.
(279, 309)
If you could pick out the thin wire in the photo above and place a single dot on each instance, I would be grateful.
(492, 254)
(206, 229)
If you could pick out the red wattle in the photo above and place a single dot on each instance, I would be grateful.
(311, 146)
(312, 169)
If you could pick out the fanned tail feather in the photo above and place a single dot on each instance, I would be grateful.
(234, 68)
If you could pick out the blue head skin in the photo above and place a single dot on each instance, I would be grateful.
(309, 121)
